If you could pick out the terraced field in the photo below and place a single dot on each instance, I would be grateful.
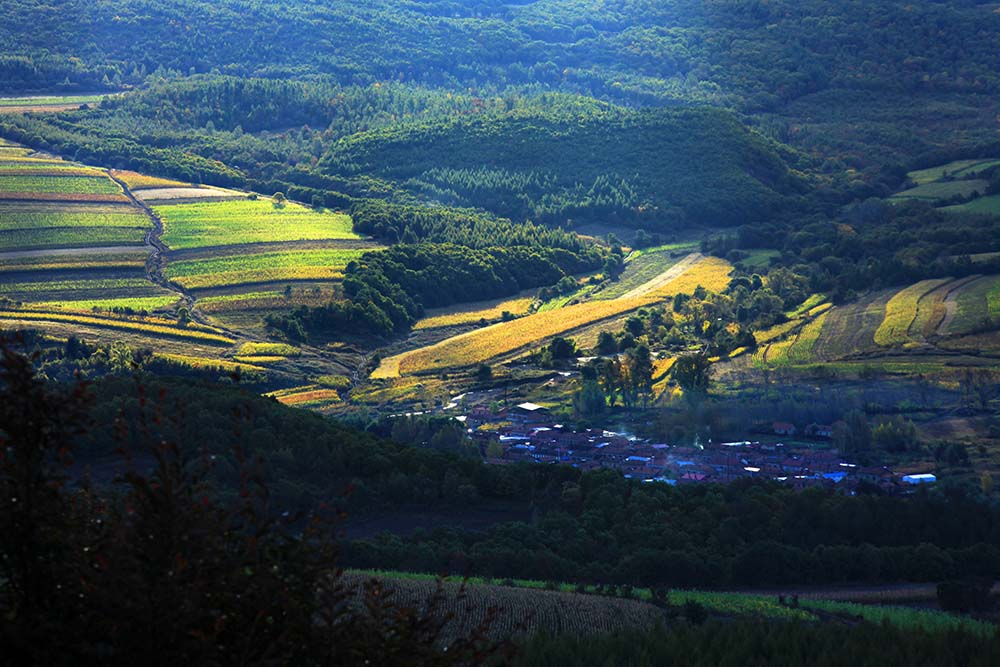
(136, 181)
(248, 269)
(472, 313)
(98, 184)
(850, 330)
(975, 304)
(210, 223)
(901, 313)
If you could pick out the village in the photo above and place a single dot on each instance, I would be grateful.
(527, 433)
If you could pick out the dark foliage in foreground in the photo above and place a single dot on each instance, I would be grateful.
(156, 571)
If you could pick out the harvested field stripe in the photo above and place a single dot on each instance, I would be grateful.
(901, 311)
(207, 362)
(801, 350)
(473, 313)
(932, 309)
(125, 325)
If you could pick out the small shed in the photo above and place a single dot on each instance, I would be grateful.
(922, 478)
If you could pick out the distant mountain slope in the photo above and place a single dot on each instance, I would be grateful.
(660, 168)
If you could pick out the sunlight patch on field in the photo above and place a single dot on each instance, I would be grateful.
(507, 337)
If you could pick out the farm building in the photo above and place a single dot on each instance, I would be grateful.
(783, 428)
(529, 412)
(923, 478)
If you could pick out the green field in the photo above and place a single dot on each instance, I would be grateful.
(48, 101)
(976, 301)
(235, 222)
(97, 185)
(134, 259)
(643, 266)
(956, 168)
(51, 167)
(989, 205)
(67, 237)
(43, 216)
(332, 258)
(148, 303)
(937, 191)
(64, 288)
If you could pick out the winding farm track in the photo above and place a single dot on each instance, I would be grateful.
(664, 278)
(157, 252)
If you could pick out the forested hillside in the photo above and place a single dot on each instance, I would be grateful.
(661, 169)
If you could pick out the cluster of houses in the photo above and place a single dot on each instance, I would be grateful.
(527, 433)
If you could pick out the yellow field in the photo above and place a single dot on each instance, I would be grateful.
(712, 273)
(207, 362)
(901, 311)
(801, 349)
(777, 331)
(310, 397)
(270, 275)
(661, 367)
(125, 325)
(506, 337)
(137, 181)
(472, 313)
(262, 359)
(268, 349)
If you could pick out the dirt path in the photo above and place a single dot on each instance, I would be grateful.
(155, 262)
(664, 278)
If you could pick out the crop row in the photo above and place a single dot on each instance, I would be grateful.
(147, 303)
(901, 310)
(65, 237)
(97, 198)
(310, 398)
(41, 170)
(209, 362)
(38, 216)
(267, 300)
(98, 185)
(269, 349)
(243, 221)
(515, 611)
(307, 258)
(125, 325)
(82, 261)
(271, 275)
(137, 181)
(96, 284)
